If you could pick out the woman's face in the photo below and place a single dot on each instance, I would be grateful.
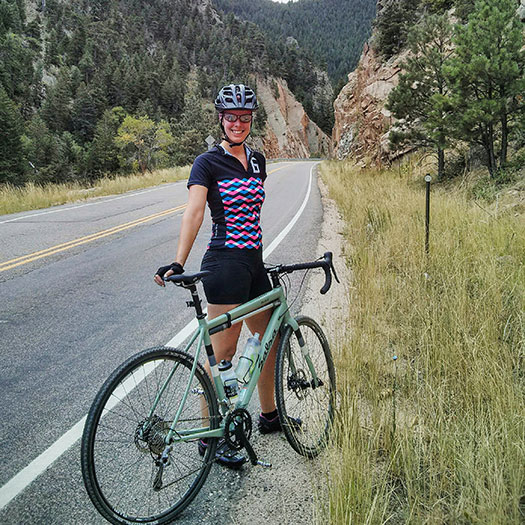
(236, 131)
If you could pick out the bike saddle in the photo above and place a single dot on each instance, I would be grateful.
(186, 279)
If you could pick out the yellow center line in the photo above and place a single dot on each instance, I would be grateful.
(19, 261)
(24, 259)
(276, 169)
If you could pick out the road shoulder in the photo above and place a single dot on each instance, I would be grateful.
(286, 493)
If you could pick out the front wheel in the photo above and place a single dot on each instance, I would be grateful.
(306, 405)
(129, 473)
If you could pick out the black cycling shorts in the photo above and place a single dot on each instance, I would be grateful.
(237, 275)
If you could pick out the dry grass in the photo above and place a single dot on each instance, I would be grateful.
(438, 435)
(32, 196)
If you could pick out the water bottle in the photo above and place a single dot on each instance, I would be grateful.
(248, 359)
(229, 380)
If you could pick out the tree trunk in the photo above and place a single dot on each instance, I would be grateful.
(441, 163)
(504, 140)
(485, 140)
(492, 157)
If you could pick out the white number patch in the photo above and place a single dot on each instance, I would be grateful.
(255, 165)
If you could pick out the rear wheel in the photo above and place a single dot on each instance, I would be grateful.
(306, 407)
(124, 441)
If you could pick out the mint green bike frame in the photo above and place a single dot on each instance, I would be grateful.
(272, 300)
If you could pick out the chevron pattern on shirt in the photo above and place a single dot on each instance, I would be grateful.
(242, 200)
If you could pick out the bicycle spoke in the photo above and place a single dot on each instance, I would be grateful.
(127, 437)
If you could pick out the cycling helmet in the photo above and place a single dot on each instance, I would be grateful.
(236, 96)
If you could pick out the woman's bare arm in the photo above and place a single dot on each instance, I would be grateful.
(191, 223)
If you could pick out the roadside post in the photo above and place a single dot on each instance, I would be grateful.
(428, 179)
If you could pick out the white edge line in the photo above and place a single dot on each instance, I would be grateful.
(21, 480)
(28, 474)
(267, 252)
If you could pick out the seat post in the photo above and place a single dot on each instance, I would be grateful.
(195, 302)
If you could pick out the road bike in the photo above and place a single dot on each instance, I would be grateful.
(139, 454)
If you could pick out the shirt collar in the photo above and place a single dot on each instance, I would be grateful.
(226, 152)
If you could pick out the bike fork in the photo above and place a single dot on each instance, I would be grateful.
(315, 380)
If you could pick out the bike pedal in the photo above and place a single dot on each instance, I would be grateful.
(264, 464)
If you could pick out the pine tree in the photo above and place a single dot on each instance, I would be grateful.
(69, 163)
(103, 154)
(41, 150)
(392, 24)
(488, 77)
(57, 107)
(11, 153)
(16, 67)
(194, 125)
(420, 97)
(83, 115)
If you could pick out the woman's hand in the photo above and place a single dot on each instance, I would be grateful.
(165, 271)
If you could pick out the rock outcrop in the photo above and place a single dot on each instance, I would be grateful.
(362, 122)
(289, 132)
(361, 119)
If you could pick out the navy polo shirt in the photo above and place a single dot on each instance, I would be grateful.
(235, 196)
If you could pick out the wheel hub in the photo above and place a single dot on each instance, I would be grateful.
(150, 435)
(298, 383)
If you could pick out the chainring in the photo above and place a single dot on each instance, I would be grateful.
(236, 418)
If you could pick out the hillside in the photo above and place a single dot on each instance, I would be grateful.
(333, 31)
(72, 72)
(442, 76)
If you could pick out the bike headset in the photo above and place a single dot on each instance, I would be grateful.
(235, 96)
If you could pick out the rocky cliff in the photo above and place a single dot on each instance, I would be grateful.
(361, 119)
(289, 131)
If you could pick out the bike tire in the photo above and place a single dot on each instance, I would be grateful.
(296, 398)
(121, 443)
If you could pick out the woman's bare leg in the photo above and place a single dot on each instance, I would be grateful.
(225, 345)
(266, 383)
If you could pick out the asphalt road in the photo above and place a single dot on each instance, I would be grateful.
(77, 298)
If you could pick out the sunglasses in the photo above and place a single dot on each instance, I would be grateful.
(230, 117)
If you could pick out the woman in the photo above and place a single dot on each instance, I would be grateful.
(230, 178)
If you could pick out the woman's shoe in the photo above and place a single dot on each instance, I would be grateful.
(224, 454)
(266, 426)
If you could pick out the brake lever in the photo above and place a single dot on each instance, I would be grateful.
(333, 270)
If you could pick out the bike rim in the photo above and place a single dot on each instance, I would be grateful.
(124, 456)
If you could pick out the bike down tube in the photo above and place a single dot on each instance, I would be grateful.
(194, 433)
(272, 299)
